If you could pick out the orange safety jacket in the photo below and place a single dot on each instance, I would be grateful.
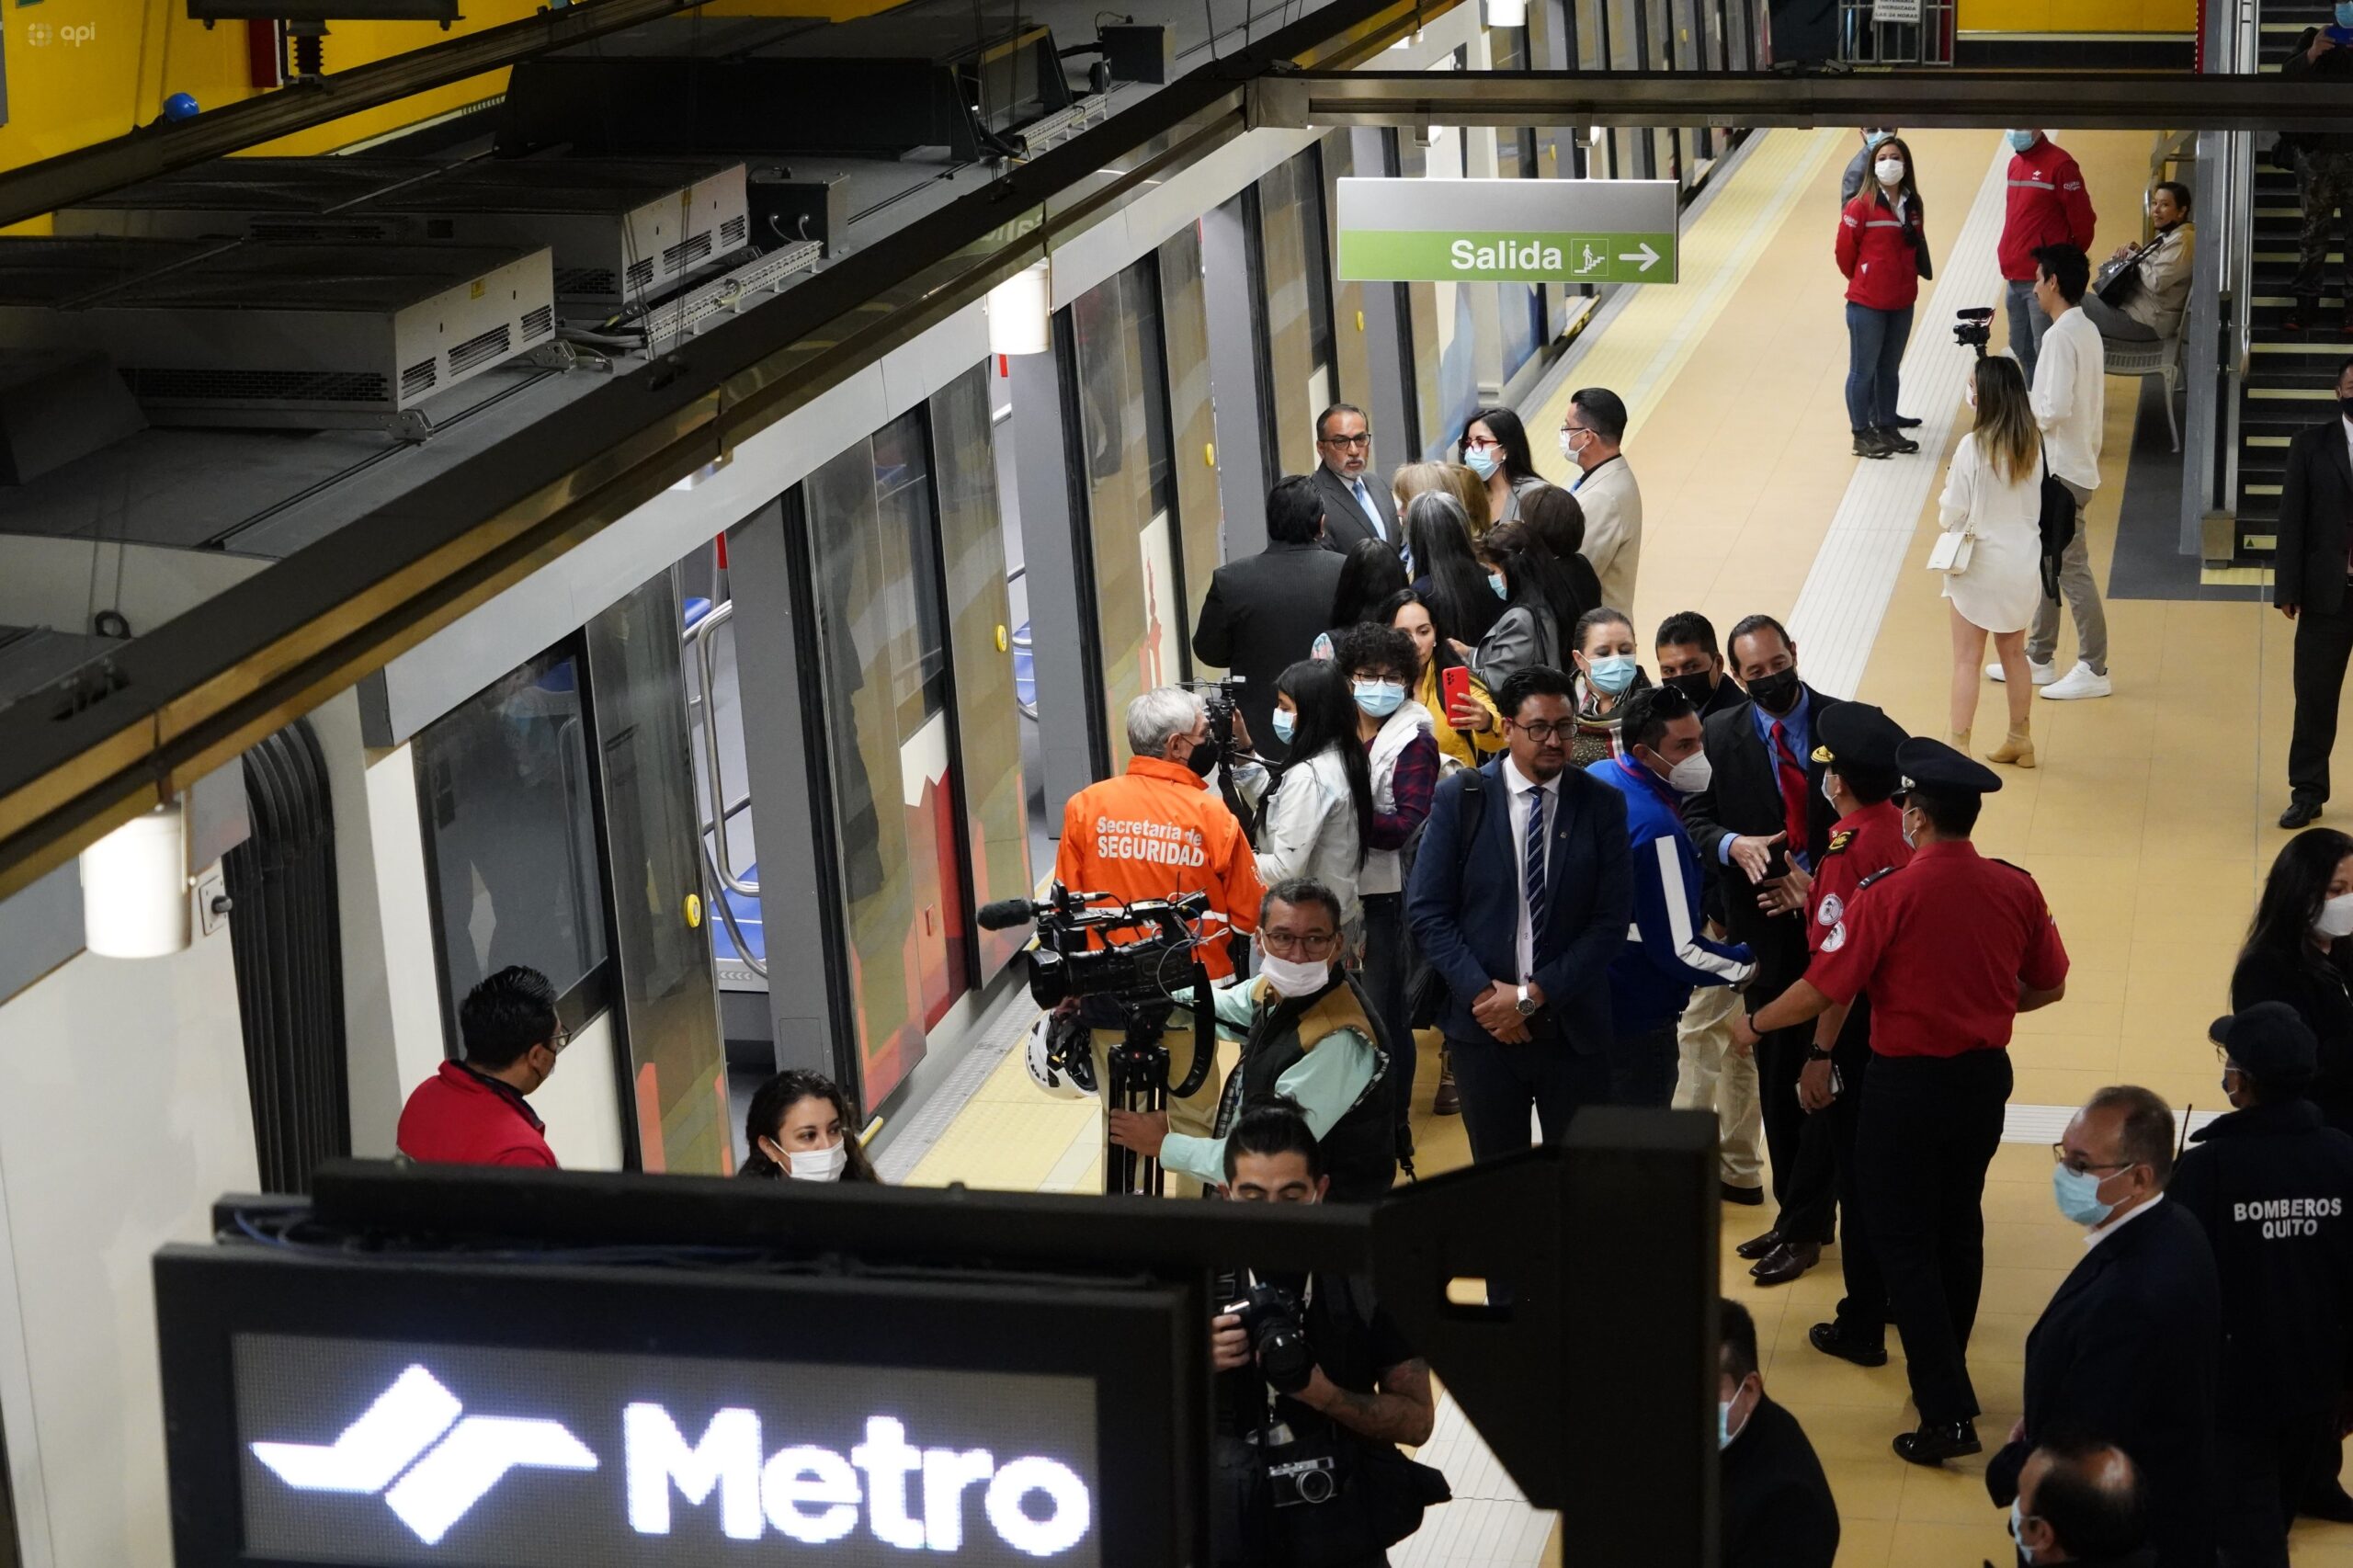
(1158, 832)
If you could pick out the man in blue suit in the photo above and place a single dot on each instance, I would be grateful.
(1520, 897)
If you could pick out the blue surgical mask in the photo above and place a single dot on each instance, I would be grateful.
(1378, 698)
(2078, 1195)
(1285, 722)
(1612, 673)
(1723, 1424)
(2020, 139)
(1873, 138)
(2344, 14)
(1495, 581)
(1481, 461)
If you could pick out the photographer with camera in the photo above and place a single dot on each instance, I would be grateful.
(1315, 1389)
(1158, 832)
(1309, 1035)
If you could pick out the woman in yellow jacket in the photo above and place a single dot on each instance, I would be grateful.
(1472, 730)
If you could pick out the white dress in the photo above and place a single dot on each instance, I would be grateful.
(2003, 584)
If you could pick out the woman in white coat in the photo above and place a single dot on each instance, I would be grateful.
(1316, 822)
(1993, 497)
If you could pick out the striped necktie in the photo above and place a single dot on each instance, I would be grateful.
(1535, 861)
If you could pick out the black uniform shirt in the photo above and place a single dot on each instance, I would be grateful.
(2273, 1186)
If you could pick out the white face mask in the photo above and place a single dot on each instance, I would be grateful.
(1827, 792)
(2335, 917)
(1293, 977)
(1691, 775)
(820, 1165)
(1567, 451)
(1889, 171)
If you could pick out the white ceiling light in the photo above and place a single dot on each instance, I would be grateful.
(135, 887)
(1507, 13)
(1020, 312)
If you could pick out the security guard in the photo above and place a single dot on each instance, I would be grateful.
(1952, 947)
(1859, 750)
(2273, 1186)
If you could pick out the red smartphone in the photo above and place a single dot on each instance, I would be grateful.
(1454, 686)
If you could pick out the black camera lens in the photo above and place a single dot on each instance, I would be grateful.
(1315, 1485)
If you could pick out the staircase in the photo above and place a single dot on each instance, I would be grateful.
(2290, 380)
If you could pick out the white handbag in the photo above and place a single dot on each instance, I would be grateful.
(1951, 552)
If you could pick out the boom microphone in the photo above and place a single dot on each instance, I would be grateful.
(1006, 912)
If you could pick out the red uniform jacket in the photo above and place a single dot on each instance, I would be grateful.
(1865, 843)
(1877, 251)
(459, 1118)
(2049, 206)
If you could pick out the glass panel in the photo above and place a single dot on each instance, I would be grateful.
(871, 540)
(510, 831)
(1452, 395)
(1349, 366)
(677, 1067)
(1184, 322)
(988, 717)
(1299, 308)
(1520, 307)
(1122, 426)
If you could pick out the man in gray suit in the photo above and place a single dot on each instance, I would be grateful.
(1357, 503)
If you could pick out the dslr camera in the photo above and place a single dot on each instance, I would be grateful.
(1135, 970)
(1270, 1316)
(1974, 329)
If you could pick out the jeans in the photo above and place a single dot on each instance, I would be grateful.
(1642, 1068)
(2027, 323)
(2082, 594)
(2114, 324)
(1875, 341)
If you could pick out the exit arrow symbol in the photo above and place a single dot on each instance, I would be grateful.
(1642, 253)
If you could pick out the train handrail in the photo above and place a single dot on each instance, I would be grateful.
(698, 639)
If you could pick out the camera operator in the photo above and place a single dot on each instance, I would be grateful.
(1308, 1035)
(1315, 1389)
(1158, 831)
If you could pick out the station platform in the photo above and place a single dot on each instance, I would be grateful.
(2149, 822)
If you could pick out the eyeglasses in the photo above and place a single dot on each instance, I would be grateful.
(1293, 945)
(1541, 732)
(1480, 441)
(1363, 439)
(1569, 429)
(557, 1041)
(2080, 1167)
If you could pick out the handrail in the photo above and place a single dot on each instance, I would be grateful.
(727, 918)
(706, 680)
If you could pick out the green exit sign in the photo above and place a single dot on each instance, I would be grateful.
(1507, 231)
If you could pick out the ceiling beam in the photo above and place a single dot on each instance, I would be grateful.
(1933, 98)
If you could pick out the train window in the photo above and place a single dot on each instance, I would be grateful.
(510, 837)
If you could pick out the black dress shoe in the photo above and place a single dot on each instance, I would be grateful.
(2326, 1500)
(1904, 423)
(1831, 1339)
(1786, 1262)
(2300, 813)
(1933, 1444)
(1755, 1247)
(1746, 1196)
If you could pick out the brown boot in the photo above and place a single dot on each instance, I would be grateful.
(2018, 750)
(1448, 1101)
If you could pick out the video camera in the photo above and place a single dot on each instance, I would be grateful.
(1066, 963)
(1974, 329)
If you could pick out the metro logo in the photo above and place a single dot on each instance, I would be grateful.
(812, 1494)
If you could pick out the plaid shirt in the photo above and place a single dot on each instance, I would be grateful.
(1411, 784)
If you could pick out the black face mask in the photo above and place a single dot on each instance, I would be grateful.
(1202, 759)
(1776, 693)
(1699, 686)
(2344, 405)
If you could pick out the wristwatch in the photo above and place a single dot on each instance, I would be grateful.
(1816, 1054)
(1527, 1007)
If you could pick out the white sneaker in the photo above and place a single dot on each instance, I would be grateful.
(2081, 681)
(2037, 675)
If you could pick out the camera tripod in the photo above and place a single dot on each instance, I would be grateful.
(1136, 1079)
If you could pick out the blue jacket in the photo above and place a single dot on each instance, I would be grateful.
(1665, 957)
(1464, 904)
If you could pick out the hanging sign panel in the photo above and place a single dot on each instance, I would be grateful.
(1507, 231)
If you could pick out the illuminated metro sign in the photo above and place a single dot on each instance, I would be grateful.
(539, 1458)
(1507, 231)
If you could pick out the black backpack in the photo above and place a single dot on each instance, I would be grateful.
(2058, 527)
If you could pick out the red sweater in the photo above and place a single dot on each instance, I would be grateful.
(459, 1118)
(1875, 252)
(2049, 206)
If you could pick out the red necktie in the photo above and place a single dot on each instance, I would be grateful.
(1793, 792)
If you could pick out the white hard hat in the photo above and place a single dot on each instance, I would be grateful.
(1038, 1056)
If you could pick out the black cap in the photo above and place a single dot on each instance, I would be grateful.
(1932, 764)
(2272, 1042)
(1860, 735)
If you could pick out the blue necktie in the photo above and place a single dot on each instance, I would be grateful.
(1536, 862)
